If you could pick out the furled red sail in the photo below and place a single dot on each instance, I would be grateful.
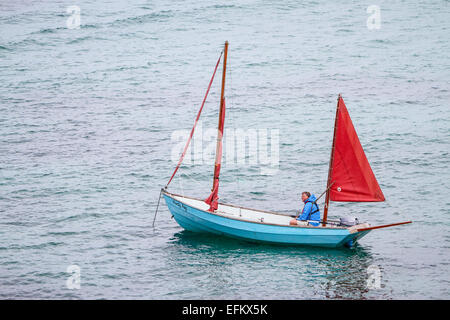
(351, 176)
(213, 199)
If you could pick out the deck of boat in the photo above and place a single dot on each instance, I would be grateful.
(253, 215)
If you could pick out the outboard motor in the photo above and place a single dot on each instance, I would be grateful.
(349, 221)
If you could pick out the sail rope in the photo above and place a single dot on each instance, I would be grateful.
(231, 120)
(189, 140)
(195, 124)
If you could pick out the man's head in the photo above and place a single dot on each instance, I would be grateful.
(305, 195)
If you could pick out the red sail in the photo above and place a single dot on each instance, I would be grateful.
(352, 177)
(213, 199)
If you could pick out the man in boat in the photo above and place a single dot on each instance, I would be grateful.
(310, 214)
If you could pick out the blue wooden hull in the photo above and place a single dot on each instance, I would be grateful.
(196, 220)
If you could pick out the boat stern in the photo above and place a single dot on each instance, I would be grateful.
(355, 235)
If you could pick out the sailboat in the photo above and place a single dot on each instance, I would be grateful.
(350, 179)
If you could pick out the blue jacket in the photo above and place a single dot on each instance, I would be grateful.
(308, 208)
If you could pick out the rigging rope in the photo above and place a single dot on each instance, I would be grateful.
(189, 140)
(195, 123)
(231, 119)
(156, 211)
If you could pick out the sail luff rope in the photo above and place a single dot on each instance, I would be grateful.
(189, 140)
(232, 118)
(195, 124)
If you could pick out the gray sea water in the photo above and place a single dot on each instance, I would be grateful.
(86, 123)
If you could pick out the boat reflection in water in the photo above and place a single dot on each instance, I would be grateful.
(227, 268)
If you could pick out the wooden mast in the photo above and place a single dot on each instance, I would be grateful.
(330, 168)
(221, 122)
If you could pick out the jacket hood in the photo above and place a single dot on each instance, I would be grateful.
(311, 198)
